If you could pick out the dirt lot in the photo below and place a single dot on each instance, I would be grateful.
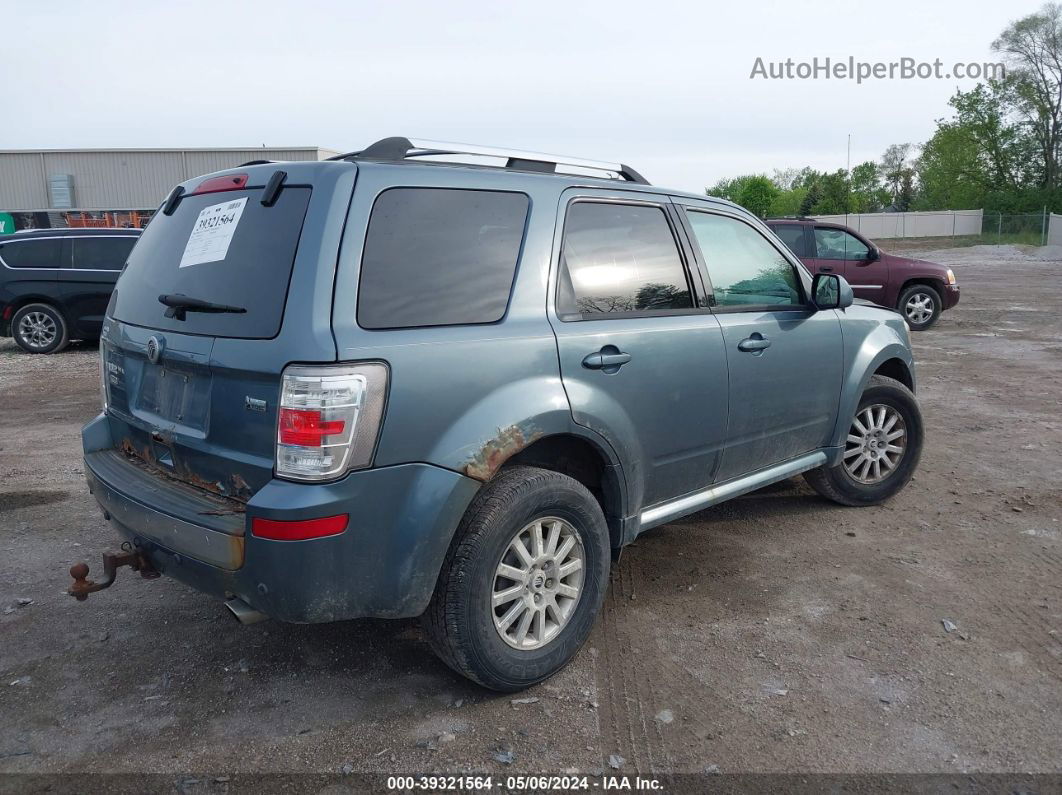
(777, 632)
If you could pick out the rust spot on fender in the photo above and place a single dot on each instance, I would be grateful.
(501, 448)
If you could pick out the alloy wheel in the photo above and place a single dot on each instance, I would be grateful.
(538, 583)
(37, 329)
(919, 308)
(876, 444)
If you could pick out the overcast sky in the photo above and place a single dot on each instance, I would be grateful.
(662, 86)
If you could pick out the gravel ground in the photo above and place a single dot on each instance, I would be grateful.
(777, 632)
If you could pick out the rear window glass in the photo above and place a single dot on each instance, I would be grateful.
(31, 253)
(241, 255)
(619, 259)
(440, 257)
(101, 253)
(793, 236)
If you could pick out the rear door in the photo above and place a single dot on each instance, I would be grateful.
(784, 357)
(91, 265)
(641, 354)
(195, 393)
(795, 237)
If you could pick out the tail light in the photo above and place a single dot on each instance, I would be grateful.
(329, 419)
(103, 375)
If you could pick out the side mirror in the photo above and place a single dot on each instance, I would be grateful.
(831, 291)
(873, 255)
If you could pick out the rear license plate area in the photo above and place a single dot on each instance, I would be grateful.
(175, 395)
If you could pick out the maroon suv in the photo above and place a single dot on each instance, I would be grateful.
(918, 289)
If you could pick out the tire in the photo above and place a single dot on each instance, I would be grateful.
(914, 301)
(460, 620)
(39, 328)
(842, 486)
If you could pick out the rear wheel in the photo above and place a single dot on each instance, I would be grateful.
(882, 448)
(921, 306)
(523, 580)
(39, 328)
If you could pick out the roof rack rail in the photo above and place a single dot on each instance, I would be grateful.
(256, 163)
(398, 148)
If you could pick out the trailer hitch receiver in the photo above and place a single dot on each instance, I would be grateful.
(112, 561)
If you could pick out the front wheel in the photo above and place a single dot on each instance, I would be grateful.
(882, 449)
(921, 306)
(523, 580)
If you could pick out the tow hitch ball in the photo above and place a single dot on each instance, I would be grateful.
(112, 561)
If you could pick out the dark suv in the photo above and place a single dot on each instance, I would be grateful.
(55, 283)
(389, 386)
(918, 289)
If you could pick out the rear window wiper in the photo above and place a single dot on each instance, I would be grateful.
(179, 304)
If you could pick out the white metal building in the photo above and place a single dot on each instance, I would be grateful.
(51, 180)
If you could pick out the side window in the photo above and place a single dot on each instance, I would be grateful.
(745, 269)
(619, 259)
(793, 236)
(101, 253)
(833, 243)
(440, 257)
(31, 253)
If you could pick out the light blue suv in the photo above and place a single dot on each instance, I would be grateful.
(396, 385)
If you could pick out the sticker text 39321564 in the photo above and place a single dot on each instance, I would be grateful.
(212, 232)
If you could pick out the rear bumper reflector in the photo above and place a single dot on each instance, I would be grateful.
(299, 530)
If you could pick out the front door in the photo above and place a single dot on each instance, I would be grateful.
(784, 357)
(641, 356)
(839, 251)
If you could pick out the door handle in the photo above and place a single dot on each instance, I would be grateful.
(756, 344)
(825, 269)
(610, 359)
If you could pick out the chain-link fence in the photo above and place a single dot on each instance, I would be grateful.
(1030, 229)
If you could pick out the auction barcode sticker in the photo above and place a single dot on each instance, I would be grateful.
(212, 233)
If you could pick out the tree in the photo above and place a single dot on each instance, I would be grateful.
(833, 196)
(790, 179)
(754, 192)
(984, 150)
(906, 194)
(867, 193)
(951, 174)
(756, 195)
(788, 202)
(1032, 50)
(895, 165)
(811, 198)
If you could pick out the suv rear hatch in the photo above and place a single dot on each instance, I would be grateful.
(224, 288)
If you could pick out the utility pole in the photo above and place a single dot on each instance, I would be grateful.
(848, 178)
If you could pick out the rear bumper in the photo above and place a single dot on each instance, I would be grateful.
(951, 295)
(383, 565)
